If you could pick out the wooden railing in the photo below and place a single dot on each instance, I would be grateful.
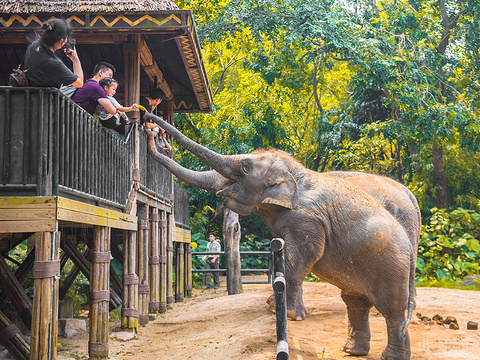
(182, 212)
(51, 146)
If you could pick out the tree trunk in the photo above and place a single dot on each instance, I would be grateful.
(441, 198)
(231, 237)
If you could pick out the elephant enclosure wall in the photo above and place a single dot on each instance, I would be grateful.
(241, 327)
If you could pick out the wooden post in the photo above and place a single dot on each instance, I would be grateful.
(168, 116)
(154, 263)
(143, 254)
(131, 52)
(279, 286)
(46, 274)
(130, 281)
(188, 271)
(231, 238)
(170, 230)
(163, 261)
(15, 292)
(179, 273)
(99, 293)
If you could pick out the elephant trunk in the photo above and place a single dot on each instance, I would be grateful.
(211, 158)
(207, 180)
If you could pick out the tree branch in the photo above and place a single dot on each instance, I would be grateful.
(230, 63)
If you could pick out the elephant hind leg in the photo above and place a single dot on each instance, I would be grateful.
(358, 338)
(397, 347)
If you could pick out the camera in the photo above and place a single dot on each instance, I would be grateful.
(69, 46)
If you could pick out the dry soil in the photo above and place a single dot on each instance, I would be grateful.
(214, 325)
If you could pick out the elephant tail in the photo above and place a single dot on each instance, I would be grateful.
(402, 332)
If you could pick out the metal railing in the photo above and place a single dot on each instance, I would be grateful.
(268, 271)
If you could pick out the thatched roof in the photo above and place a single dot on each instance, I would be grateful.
(81, 6)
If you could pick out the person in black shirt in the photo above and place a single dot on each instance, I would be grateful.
(44, 67)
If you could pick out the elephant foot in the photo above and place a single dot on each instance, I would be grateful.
(292, 315)
(390, 354)
(356, 348)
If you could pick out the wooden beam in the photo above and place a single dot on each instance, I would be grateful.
(152, 70)
(15, 292)
(75, 211)
(40, 214)
(27, 214)
(15, 344)
(182, 235)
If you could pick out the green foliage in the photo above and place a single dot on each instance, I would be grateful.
(351, 85)
(80, 287)
(449, 245)
(254, 242)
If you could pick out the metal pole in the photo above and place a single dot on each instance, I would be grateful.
(279, 287)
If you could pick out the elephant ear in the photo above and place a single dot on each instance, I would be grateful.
(282, 189)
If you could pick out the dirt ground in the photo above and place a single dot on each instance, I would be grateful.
(214, 325)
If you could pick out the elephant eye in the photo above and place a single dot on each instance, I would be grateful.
(245, 168)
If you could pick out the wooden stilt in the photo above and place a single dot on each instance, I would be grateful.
(143, 253)
(11, 339)
(154, 263)
(130, 281)
(188, 271)
(14, 291)
(163, 261)
(99, 293)
(179, 272)
(46, 274)
(170, 231)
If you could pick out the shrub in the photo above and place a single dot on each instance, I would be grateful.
(449, 245)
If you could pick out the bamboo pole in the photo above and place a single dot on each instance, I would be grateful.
(154, 263)
(170, 230)
(179, 273)
(99, 293)
(188, 271)
(130, 282)
(163, 261)
(44, 332)
(143, 253)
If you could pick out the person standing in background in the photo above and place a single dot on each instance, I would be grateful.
(212, 262)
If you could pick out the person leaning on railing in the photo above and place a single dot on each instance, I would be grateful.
(42, 64)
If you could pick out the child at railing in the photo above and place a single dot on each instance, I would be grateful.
(120, 118)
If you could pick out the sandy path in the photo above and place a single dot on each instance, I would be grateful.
(213, 325)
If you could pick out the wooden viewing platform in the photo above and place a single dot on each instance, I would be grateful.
(66, 180)
(74, 190)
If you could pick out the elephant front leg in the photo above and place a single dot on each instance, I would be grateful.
(358, 338)
(300, 312)
(398, 348)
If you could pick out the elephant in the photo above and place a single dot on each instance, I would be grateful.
(356, 231)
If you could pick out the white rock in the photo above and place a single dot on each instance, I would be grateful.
(70, 327)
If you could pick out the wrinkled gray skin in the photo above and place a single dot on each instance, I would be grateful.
(357, 231)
